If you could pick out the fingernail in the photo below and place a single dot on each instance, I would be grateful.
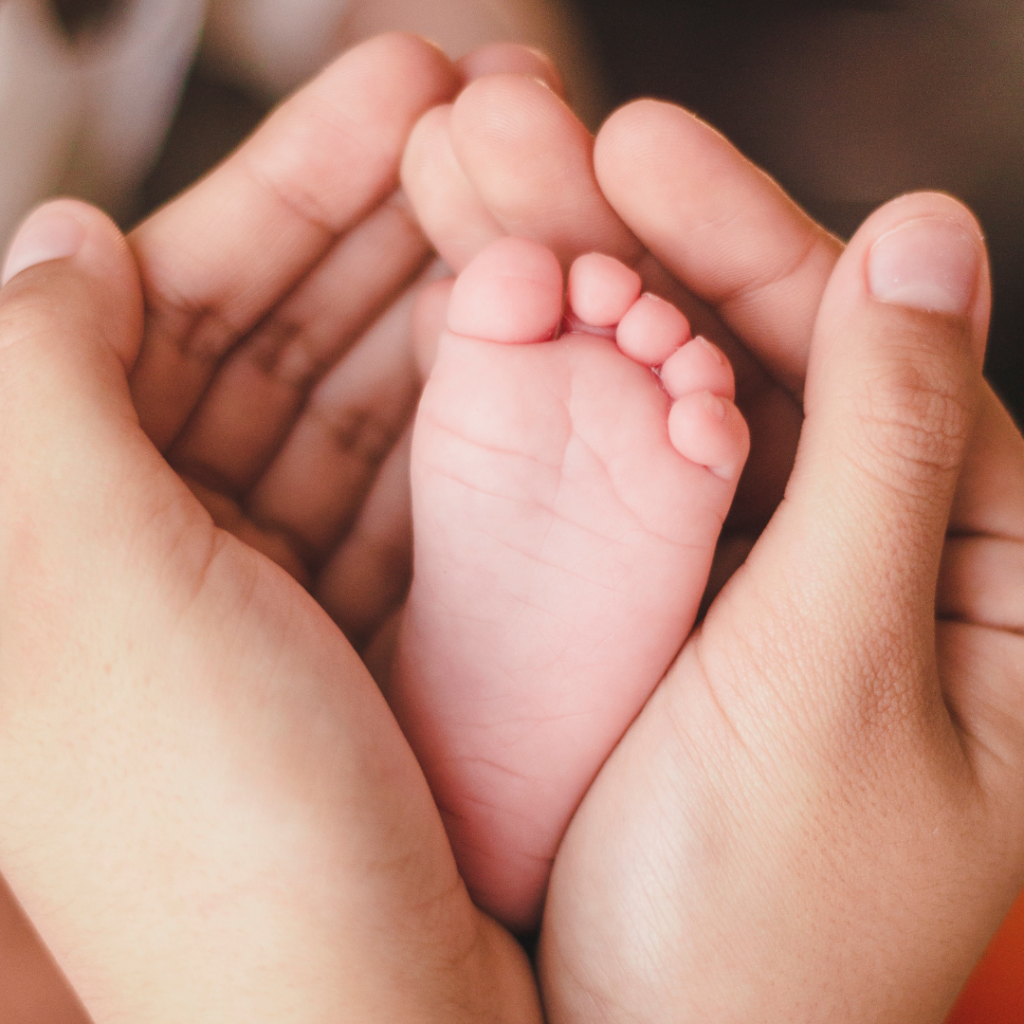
(927, 264)
(48, 234)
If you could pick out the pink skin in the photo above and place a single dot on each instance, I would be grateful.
(566, 505)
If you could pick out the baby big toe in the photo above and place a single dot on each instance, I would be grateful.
(710, 431)
(510, 292)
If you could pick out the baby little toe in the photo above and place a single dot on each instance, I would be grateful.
(710, 431)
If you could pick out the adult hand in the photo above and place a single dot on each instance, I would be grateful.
(207, 809)
(825, 791)
(819, 814)
(276, 371)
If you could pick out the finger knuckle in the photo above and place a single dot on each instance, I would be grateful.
(915, 420)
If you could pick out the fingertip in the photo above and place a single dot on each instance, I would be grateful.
(638, 123)
(500, 103)
(429, 68)
(925, 252)
(511, 58)
(70, 237)
(429, 130)
(630, 115)
(50, 232)
(446, 204)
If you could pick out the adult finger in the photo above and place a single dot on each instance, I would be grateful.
(314, 488)
(511, 59)
(216, 260)
(990, 499)
(107, 282)
(453, 215)
(447, 205)
(277, 366)
(529, 159)
(722, 226)
(366, 578)
(892, 392)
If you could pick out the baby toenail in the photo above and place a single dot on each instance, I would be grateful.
(714, 350)
(714, 405)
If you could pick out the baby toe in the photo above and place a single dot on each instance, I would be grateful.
(710, 431)
(510, 292)
(651, 330)
(698, 366)
(601, 290)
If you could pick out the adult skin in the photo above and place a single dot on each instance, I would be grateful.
(819, 815)
(208, 811)
(670, 956)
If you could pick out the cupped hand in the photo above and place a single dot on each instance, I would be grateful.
(208, 810)
(823, 803)
(276, 372)
(818, 815)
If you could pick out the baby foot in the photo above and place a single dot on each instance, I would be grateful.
(567, 500)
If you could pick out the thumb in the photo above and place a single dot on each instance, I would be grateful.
(893, 380)
(70, 327)
(69, 262)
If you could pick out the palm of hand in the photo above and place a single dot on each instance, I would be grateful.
(276, 373)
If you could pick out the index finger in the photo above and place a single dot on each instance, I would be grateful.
(738, 242)
(214, 261)
(722, 226)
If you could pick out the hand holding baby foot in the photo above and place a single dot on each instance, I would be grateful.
(243, 814)
(566, 505)
(200, 780)
(276, 371)
(825, 791)
(692, 850)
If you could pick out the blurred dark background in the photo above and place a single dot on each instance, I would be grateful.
(847, 104)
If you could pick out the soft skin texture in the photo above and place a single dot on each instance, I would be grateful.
(818, 816)
(200, 778)
(566, 506)
(764, 268)
(197, 764)
(244, 312)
